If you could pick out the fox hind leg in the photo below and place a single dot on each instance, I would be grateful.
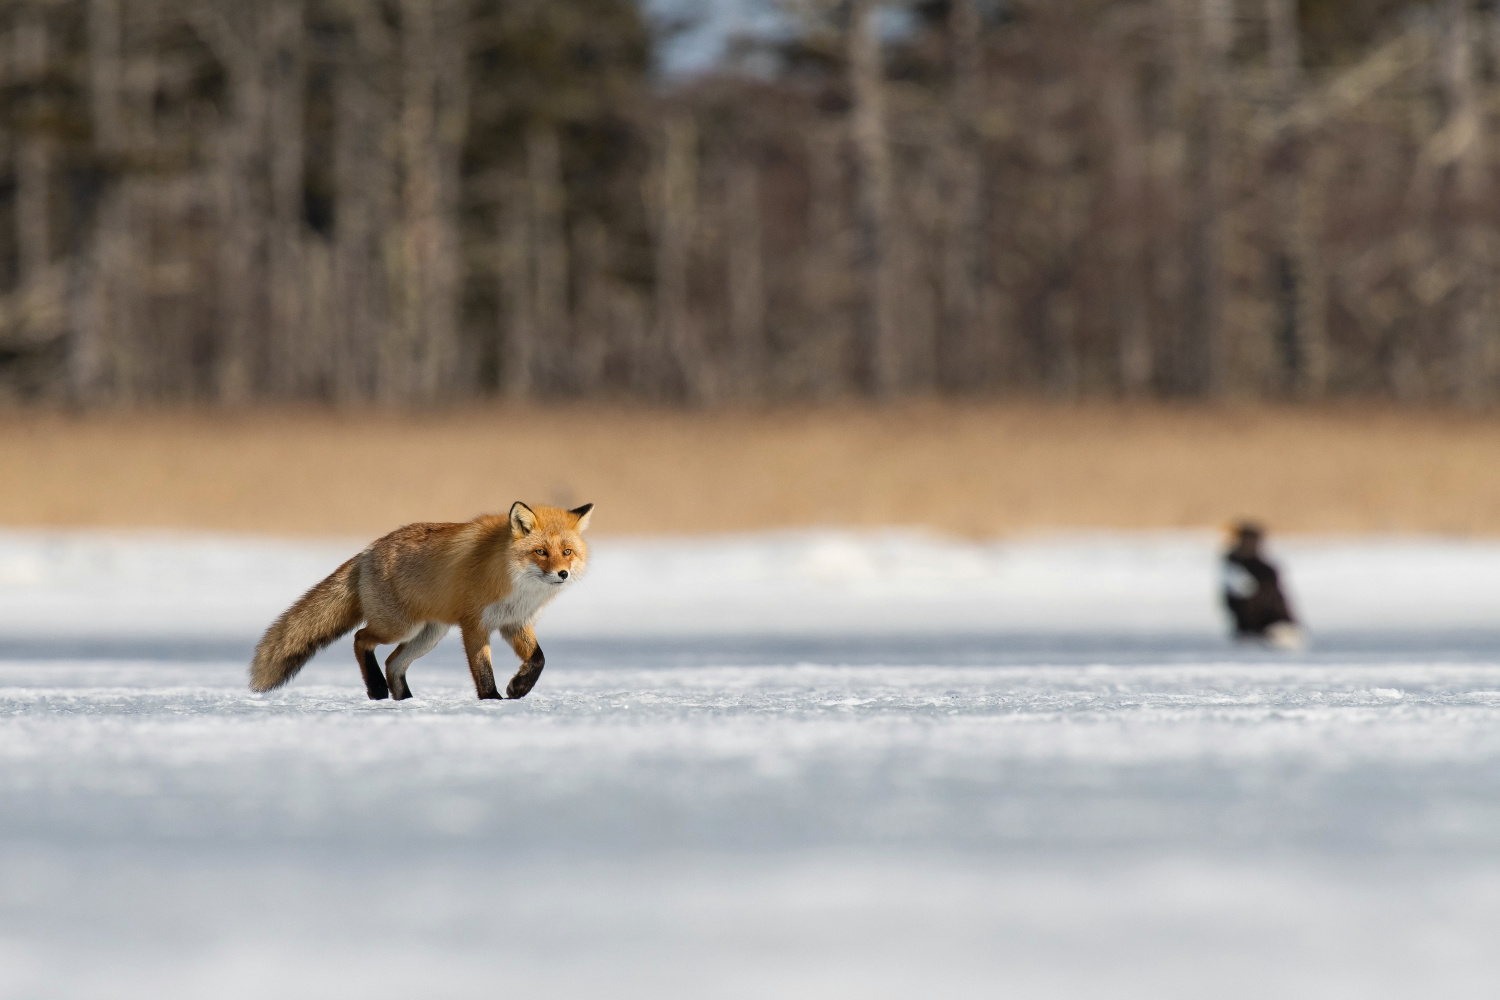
(365, 641)
(417, 646)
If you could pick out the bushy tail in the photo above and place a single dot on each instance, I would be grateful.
(320, 616)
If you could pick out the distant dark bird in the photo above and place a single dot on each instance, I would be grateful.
(1252, 592)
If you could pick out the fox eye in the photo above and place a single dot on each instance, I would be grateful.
(542, 553)
(567, 552)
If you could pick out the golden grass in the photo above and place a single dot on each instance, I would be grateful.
(984, 470)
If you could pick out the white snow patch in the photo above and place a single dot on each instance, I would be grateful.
(795, 583)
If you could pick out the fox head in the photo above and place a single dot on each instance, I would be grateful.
(547, 542)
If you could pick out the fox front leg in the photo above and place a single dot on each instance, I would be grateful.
(523, 641)
(477, 648)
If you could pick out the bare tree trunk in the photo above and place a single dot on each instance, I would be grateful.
(1127, 245)
(1491, 31)
(876, 326)
(825, 265)
(452, 121)
(295, 359)
(1473, 359)
(33, 154)
(548, 255)
(676, 227)
(367, 218)
(106, 72)
(125, 117)
(1206, 351)
(90, 321)
(1283, 50)
(1299, 277)
(1284, 55)
(1166, 236)
(747, 301)
(1307, 255)
(1461, 96)
(418, 346)
(963, 282)
(432, 46)
(106, 308)
(517, 346)
(593, 312)
(240, 191)
(364, 190)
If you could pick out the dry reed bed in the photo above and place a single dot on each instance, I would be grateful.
(977, 470)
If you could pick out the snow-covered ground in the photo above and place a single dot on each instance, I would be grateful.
(805, 765)
(89, 586)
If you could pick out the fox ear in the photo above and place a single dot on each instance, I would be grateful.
(522, 518)
(582, 513)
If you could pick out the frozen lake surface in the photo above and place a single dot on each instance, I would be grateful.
(794, 766)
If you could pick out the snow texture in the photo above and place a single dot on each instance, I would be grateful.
(805, 765)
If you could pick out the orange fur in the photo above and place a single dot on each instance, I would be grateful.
(491, 573)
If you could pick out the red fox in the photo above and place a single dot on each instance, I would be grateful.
(412, 585)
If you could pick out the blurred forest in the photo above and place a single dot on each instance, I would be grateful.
(422, 201)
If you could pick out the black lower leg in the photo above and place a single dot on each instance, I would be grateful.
(374, 679)
(400, 691)
(525, 678)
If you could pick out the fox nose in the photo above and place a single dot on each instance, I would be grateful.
(562, 574)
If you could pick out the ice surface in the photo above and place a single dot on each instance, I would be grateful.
(820, 765)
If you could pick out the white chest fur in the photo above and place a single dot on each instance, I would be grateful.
(528, 595)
